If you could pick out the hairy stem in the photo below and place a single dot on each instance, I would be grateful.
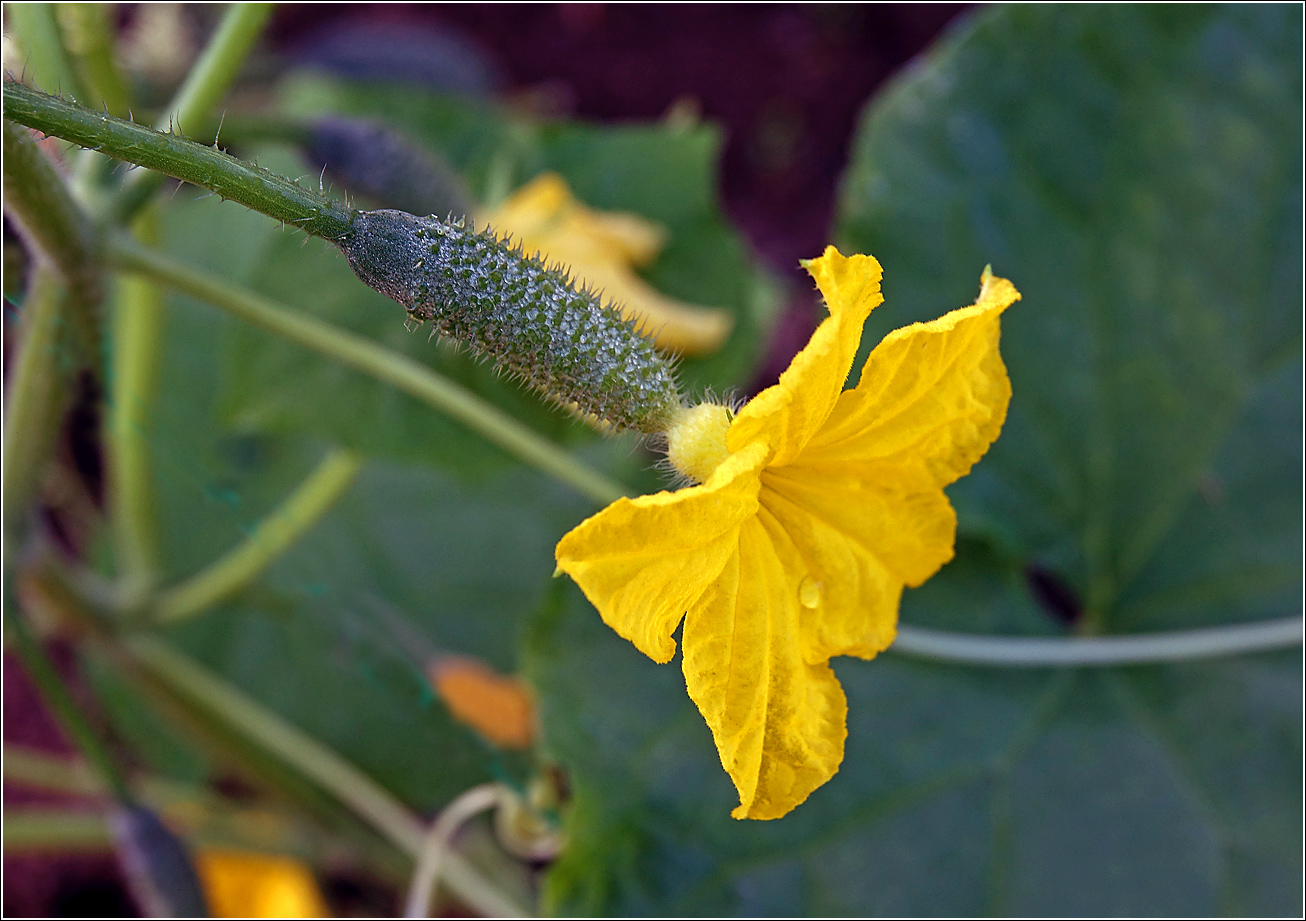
(1102, 651)
(272, 537)
(89, 38)
(374, 360)
(203, 88)
(45, 60)
(208, 167)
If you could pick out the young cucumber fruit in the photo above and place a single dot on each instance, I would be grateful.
(529, 318)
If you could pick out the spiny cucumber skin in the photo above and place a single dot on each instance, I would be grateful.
(530, 319)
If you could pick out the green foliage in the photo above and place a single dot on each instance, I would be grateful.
(1136, 172)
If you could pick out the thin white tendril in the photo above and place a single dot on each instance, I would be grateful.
(1056, 652)
(427, 874)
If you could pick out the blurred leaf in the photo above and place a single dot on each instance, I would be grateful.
(1136, 171)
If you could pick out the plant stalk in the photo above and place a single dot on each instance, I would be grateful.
(207, 167)
(89, 39)
(36, 196)
(296, 748)
(45, 56)
(1098, 651)
(61, 704)
(138, 319)
(37, 389)
(205, 85)
(273, 536)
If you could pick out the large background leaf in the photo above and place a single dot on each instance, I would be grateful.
(1136, 171)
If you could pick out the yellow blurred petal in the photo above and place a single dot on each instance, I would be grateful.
(240, 884)
(643, 562)
(545, 209)
(932, 397)
(674, 325)
(599, 248)
(639, 240)
(790, 414)
(779, 722)
(500, 707)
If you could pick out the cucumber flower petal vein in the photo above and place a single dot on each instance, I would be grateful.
(814, 507)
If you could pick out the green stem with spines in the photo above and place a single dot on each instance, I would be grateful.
(374, 360)
(207, 167)
(204, 86)
(89, 38)
(272, 537)
(45, 56)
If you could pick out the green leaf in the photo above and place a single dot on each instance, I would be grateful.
(1136, 171)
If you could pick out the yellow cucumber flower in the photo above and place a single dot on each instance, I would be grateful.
(816, 506)
(242, 884)
(600, 249)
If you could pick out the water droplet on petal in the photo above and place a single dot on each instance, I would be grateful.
(809, 592)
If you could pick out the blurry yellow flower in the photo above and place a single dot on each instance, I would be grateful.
(499, 707)
(816, 506)
(241, 884)
(601, 250)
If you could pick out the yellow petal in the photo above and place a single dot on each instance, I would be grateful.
(599, 249)
(643, 562)
(859, 542)
(241, 884)
(779, 722)
(932, 398)
(790, 414)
